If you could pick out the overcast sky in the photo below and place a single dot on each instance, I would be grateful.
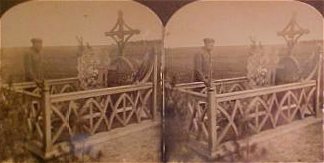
(231, 23)
(57, 22)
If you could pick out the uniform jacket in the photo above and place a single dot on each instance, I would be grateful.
(201, 65)
(33, 64)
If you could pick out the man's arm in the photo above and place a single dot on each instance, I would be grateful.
(199, 75)
(29, 75)
(200, 70)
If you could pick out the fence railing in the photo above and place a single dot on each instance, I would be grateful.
(193, 96)
(58, 110)
(32, 100)
(99, 110)
(222, 85)
(94, 111)
(31, 106)
(196, 105)
(263, 108)
(216, 118)
(55, 119)
(56, 86)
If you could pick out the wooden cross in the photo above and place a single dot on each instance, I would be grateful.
(121, 33)
(292, 32)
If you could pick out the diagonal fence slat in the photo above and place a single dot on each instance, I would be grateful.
(99, 111)
(265, 109)
(241, 111)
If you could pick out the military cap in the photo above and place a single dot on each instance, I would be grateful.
(208, 40)
(34, 40)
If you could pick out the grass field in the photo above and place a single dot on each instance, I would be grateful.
(228, 61)
(61, 62)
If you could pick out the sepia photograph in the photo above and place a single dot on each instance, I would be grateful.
(243, 82)
(82, 79)
(161, 81)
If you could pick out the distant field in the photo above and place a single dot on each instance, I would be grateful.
(228, 61)
(61, 62)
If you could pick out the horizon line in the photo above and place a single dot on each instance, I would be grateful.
(170, 47)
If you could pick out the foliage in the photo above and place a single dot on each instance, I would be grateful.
(87, 66)
(260, 65)
(13, 130)
(14, 133)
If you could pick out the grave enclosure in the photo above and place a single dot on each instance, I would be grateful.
(61, 111)
(231, 110)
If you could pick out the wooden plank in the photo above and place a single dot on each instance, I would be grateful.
(36, 96)
(263, 91)
(46, 106)
(62, 81)
(318, 86)
(98, 92)
(155, 84)
(50, 82)
(192, 93)
(218, 81)
(211, 113)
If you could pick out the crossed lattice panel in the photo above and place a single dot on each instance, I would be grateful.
(197, 109)
(34, 90)
(54, 89)
(261, 112)
(63, 88)
(198, 123)
(222, 87)
(33, 114)
(99, 114)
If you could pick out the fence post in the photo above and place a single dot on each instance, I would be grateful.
(319, 92)
(1, 71)
(45, 105)
(155, 82)
(212, 128)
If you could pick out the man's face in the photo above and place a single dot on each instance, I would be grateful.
(38, 46)
(209, 46)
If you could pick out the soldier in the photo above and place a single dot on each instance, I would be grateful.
(33, 61)
(201, 62)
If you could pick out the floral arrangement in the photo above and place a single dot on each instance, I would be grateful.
(261, 65)
(88, 67)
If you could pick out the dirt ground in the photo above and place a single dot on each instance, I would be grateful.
(302, 145)
(142, 146)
